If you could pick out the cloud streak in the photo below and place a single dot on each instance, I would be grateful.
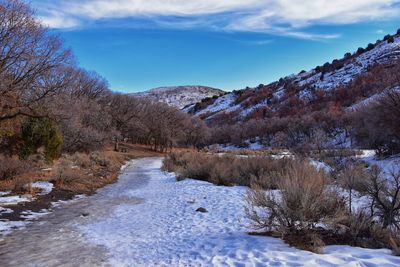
(280, 17)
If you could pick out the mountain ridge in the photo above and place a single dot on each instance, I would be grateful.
(180, 96)
(306, 86)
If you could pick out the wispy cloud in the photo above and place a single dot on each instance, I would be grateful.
(280, 17)
(59, 21)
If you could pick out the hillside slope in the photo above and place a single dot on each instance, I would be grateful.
(376, 64)
(180, 96)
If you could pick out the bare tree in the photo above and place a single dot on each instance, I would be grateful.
(29, 58)
(351, 178)
(385, 196)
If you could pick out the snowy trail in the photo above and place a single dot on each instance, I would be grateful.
(150, 219)
(55, 239)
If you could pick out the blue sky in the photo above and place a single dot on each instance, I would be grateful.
(229, 44)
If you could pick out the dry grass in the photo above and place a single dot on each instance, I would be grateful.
(85, 173)
(394, 241)
(16, 175)
(12, 167)
(306, 241)
(78, 172)
(225, 169)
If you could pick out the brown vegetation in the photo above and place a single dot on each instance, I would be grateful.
(308, 211)
(377, 125)
(303, 201)
(225, 169)
(77, 172)
(56, 115)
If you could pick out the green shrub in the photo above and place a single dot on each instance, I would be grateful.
(38, 133)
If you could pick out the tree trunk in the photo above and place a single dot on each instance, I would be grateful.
(116, 145)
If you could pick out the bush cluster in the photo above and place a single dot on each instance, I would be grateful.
(225, 169)
(309, 208)
(12, 167)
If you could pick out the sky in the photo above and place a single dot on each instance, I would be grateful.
(228, 44)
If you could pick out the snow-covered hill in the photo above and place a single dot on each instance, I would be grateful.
(306, 84)
(180, 96)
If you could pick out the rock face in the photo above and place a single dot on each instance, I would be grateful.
(180, 96)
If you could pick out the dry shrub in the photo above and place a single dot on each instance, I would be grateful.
(170, 163)
(355, 229)
(225, 169)
(366, 232)
(11, 167)
(384, 193)
(307, 241)
(73, 179)
(394, 241)
(20, 186)
(82, 160)
(195, 166)
(103, 160)
(352, 178)
(67, 177)
(359, 225)
(302, 202)
(305, 202)
(23, 185)
(38, 160)
(189, 164)
(84, 173)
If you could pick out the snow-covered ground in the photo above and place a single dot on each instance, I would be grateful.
(223, 102)
(180, 96)
(320, 165)
(165, 229)
(13, 200)
(7, 226)
(382, 53)
(6, 200)
(45, 187)
(252, 145)
(388, 165)
(374, 98)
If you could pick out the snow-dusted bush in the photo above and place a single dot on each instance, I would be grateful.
(302, 202)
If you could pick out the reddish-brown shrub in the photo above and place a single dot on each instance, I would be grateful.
(11, 167)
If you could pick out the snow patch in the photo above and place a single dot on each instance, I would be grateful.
(388, 165)
(166, 230)
(14, 200)
(382, 53)
(319, 165)
(6, 227)
(223, 102)
(45, 187)
(3, 193)
(179, 96)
